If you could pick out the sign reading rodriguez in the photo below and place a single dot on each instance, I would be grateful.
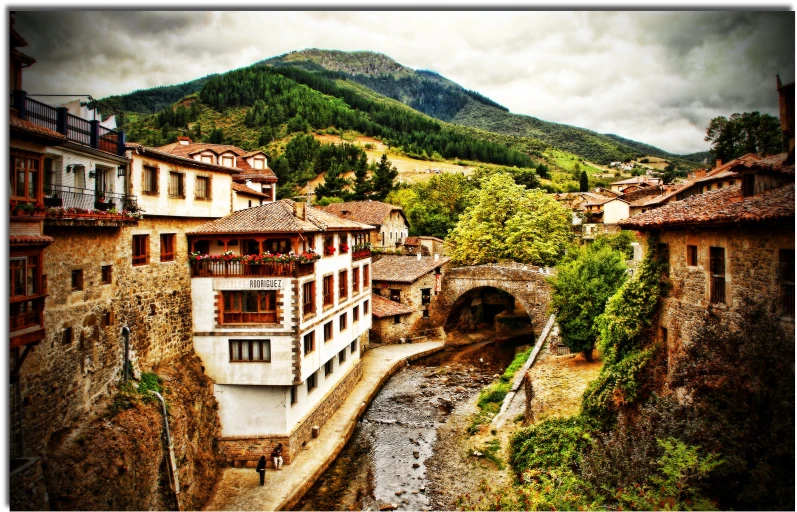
(251, 283)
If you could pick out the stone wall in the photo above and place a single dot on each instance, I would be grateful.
(751, 271)
(65, 376)
(28, 489)
(251, 448)
(413, 324)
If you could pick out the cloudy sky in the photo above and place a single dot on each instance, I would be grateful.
(655, 77)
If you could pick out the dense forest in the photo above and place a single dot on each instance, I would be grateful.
(149, 101)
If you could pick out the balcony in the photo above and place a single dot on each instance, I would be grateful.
(87, 199)
(75, 129)
(221, 268)
(26, 320)
(360, 253)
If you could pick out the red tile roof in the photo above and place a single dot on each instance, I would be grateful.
(192, 148)
(31, 239)
(725, 205)
(243, 189)
(26, 126)
(404, 269)
(412, 240)
(383, 308)
(155, 153)
(278, 217)
(369, 212)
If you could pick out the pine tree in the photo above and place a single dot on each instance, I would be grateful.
(583, 182)
(334, 182)
(383, 178)
(362, 185)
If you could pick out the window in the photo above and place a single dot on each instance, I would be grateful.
(293, 395)
(343, 285)
(176, 184)
(25, 178)
(309, 342)
(327, 331)
(25, 276)
(691, 255)
(663, 334)
(355, 280)
(748, 185)
(366, 276)
(167, 247)
(202, 188)
(227, 161)
(327, 291)
(355, 314)
(250, 350)
(329, 367)
(396, 319)
(140, 250)
(249, 306)
(787, 281)
(77, 279)
(342, 356)
(308, 298)
(342, 321)
(107, 274)
(353, 346)
(149, 184)
(395, 295)
(365, 307)
(717, 271)
(107, 318)
(66, 336)
(426, 313)
(311, 381)
(207, 159)
(329, 245)
(426, 296)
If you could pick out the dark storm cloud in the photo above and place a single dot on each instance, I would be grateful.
(658, 77)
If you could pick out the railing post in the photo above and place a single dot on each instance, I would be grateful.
(121, 140)
(20, 98)
(61, 120)
(95, 134)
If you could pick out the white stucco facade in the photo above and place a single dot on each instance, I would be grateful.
(615, 210)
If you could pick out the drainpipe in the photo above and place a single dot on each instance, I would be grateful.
(174, 481)
(126, 336)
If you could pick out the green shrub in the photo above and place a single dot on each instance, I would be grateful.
(551, 444)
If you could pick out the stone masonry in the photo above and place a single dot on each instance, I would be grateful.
(28, 489)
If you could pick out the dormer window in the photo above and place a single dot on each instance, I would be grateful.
(259, 163)
(748, 185)
(228, 161)
(207, 159)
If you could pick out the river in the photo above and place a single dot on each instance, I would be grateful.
(385, 462)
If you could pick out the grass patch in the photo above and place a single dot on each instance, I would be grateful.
(491, 397)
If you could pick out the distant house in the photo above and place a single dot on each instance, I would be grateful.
(622, 185)
(389, 221)
(413, 282)
(425, 245)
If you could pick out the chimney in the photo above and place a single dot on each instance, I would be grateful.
(183, 140)
(419, 256)
(300, 210)
(436, 257)
(719, 163)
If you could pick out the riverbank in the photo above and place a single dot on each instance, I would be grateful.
(239, 488)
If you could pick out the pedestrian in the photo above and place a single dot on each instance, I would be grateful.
(276, 454)
(261, 468)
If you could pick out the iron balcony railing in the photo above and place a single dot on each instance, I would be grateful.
(75, 129)
(717, 289)
(221, 268)
(87, 199)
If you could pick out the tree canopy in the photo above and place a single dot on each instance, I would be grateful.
(749, 132)
(508, 222)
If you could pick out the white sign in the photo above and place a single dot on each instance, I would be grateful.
(249, 283)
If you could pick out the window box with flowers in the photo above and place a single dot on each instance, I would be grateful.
(267, 264)
(344, 248)
(329, 251)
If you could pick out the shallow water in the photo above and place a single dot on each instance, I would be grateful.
(384, 462)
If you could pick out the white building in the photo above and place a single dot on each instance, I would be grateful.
(280, 335)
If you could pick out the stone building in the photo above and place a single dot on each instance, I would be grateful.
(412, 281)
(390, 223)
(425, 245)
(727, 245)
(390, 320)
(281, 311)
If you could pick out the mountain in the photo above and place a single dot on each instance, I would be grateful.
(149, 101)
(439, 97)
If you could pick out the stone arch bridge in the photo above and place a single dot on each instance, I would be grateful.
(526, 283)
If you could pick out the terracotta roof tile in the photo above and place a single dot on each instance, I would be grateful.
(21, 124)
(718, 206)
(383, 308)
(243, 189)
(404, 269)
(412, 240)
(31, 239)
(277, 217)
(369, 212)
(157, 153)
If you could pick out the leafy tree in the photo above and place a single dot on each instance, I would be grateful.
(583, 184)
(580, 290)
(382, 181)
(508, 222)
(750, 132)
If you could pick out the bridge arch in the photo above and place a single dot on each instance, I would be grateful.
(527, 284)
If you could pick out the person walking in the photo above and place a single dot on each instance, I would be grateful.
(261, 468)
(276, 454)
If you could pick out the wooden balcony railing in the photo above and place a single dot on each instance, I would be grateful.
(26, 313)
(220, 268)
(359, 254)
